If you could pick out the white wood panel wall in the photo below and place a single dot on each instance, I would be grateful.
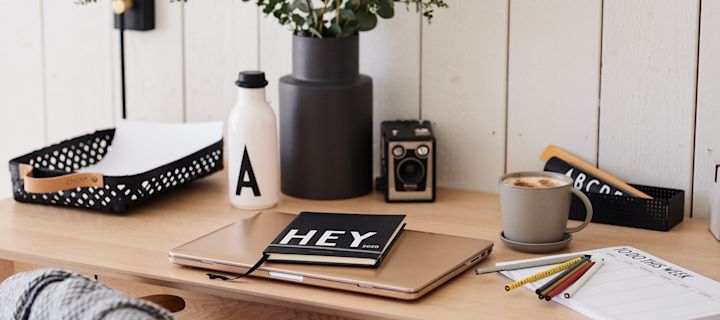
(21, 83)
(221, 39)
(154, 67)
(707, 136)
(391, 56)
(499, 79)
(647, 112)
(275, 59)
(463, 91)
(79, 79)
(553, 80)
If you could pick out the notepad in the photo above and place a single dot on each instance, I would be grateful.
(636, 285)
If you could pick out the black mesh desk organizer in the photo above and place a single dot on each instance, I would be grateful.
(120, 193)
(662, 212)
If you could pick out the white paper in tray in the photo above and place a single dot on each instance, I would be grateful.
(139, 147)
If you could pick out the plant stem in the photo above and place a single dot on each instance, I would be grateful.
(347, 21)
(319, 24)
(337, 12)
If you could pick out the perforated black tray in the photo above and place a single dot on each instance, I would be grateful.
(119, 193)
(662, 212)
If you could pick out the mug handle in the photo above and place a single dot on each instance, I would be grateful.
(588, 209)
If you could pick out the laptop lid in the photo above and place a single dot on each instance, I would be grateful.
(416, 262)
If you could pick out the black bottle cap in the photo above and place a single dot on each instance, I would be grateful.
(251, 79)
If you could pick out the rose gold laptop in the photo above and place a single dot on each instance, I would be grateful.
(415, 265)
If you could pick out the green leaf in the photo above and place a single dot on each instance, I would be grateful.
(366, 20)
(385, 9)
(314, 32)
(346, 14)
(270, 7)
(349, 31)
(335, 29)
(301, 5)
(298, 19)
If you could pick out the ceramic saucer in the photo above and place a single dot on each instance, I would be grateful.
(537, 247)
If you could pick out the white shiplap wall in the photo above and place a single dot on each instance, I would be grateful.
(707, 132)
(463, 91)
(78, 59)
(553, 79)
(392, 57)
(22, 105)
(612, 81)
(154, 67)
(647, 111)
(211, 61)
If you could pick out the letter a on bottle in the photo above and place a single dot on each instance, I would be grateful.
(246, 167)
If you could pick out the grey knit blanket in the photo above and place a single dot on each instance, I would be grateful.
(51, 294)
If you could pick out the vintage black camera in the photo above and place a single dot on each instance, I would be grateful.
(407, 161)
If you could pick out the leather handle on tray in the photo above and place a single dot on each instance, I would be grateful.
(59, 183)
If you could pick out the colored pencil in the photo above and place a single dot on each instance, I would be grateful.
(544, 292)
(580, 282)
(527, 264)
(561, 275)
(568, 282)
(542, 274)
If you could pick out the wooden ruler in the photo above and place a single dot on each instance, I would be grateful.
(555, 151)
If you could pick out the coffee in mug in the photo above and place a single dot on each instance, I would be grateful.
(536, 182)
(535, 206)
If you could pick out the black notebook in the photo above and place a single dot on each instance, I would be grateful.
(336, 239)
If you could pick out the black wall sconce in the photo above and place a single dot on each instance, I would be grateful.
(136, 15)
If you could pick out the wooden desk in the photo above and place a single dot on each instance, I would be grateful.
(135, 247)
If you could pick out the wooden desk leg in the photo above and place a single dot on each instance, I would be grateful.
(6, 269)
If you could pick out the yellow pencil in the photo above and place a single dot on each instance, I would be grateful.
(542, 274)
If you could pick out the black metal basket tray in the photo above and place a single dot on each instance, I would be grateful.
(48, 176)
(662, 212)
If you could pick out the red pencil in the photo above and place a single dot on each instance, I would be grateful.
(568, 282)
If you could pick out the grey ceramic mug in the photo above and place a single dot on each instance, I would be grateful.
(539, 215)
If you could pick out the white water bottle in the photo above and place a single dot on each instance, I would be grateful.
(253, 160)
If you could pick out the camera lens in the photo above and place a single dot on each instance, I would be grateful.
(410, 171)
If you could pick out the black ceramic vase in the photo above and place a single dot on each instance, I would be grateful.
(325, 121)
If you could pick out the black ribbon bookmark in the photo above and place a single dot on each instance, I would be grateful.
(262, 260)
